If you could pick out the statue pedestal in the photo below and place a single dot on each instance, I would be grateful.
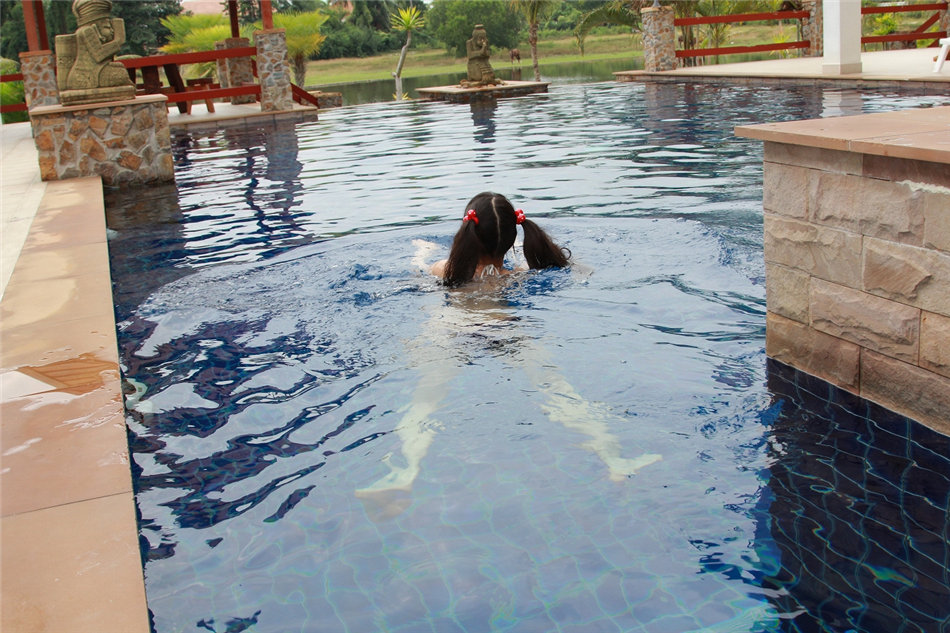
(124, 142)
(96, 95)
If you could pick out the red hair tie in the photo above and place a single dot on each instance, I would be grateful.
(471, 215)
(519, 216)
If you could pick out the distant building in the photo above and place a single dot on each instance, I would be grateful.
(201, 7)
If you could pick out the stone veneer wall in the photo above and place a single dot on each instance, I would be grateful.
(39, 78)
(813, 28)
(273, 68)
(857, 252)
(121, 141)
(239, 70)
(659, 39)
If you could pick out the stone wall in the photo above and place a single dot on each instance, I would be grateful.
(39, 78)
(659, 39)
(273, 68)
(238, 70)
(813, 29)
(857, 252)
(121, 141)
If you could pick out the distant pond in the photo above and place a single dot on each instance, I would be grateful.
(572, 72)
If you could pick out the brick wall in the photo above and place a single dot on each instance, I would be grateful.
(857, 252)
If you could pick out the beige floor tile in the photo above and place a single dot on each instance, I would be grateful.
(65, 444)
(73, 569)
(57, 300)
(39, 344)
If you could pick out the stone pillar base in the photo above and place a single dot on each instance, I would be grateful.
(659, 39)
(39, 78)
(123, 142)
(273, 69)
(239, 70)
(96, 95)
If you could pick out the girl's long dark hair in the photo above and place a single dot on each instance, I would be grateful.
(493, 235)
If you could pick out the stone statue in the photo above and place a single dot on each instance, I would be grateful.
(480, 72)
(86, 72)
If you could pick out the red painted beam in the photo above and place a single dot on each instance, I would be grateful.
(902, 8)
(741, 17)
(11, 77)
(732, 50)
(188, 58)
(233, 16)
(267, 14)
(903, 37)
(31, 25)
(213, 93)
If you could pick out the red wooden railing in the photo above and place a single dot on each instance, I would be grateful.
(737, 19)
(178, 92)
(920, 33)
(12, 107)
(181, 94)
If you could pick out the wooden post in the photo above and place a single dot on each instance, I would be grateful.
(267, 16)
(233, 14)
(34, 21)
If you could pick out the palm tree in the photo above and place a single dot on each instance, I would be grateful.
(193, 33)
(407, 20)
(303, 39)
(620, 12)
(534, 11)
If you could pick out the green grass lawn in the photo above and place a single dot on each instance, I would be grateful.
(421, 62)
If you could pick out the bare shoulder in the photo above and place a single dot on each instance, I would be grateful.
(438, 268)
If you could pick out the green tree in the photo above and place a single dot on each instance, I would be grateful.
(620, 12)
(409, 19)
(144, 33)
(12, 32)
(11, 92)
(534, 11)
(190, 33)
(372, 14)
(452, 22)
(143, 29)
(302, 31)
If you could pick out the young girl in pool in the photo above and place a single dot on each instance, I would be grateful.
(488, 231)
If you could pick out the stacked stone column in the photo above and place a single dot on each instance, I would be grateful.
(659, 39)
(239, 71)
(813, 29)
(273, 70)
(39, 78)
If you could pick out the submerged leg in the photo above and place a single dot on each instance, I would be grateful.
(568, 407)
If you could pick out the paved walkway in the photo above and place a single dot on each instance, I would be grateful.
(20, 193)
(915, 64)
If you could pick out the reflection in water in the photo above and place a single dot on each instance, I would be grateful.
(483, 117)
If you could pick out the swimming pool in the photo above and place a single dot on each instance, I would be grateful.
(326, 440)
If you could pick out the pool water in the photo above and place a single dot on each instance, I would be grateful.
(325, 439)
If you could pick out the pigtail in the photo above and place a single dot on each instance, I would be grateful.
(463, 256)
(540, 251)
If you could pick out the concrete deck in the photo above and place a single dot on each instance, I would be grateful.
(911, 67)
(70, 559)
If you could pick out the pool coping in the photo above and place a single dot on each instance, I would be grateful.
(70, 541)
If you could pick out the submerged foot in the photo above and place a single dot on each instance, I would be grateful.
(621, 467)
